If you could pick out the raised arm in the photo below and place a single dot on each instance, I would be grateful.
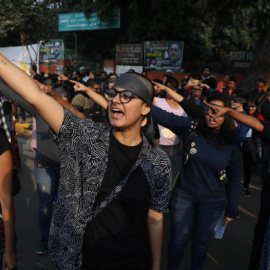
(245, 119)
(97, 98)
(193, 110)
(60, 100)
(169, 91)
(22, 84)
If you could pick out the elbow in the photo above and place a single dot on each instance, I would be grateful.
(260, 127)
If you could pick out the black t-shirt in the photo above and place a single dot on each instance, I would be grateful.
(4, 144)
(117, 238)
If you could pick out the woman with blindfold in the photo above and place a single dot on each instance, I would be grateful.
(113, 187)
(210, 178)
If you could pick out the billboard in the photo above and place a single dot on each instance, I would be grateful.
(78, 21)
(163, 55)
(50, 51)
(240, 61)
(129, 54)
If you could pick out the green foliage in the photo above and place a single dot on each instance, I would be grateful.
(209, 28)
(25, 21)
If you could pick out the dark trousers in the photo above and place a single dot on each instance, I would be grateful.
(261, 226)
(265, 161)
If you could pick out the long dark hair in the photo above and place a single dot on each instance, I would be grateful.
(255, 101)
(227, 130)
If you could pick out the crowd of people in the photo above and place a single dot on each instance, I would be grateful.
(106, 152)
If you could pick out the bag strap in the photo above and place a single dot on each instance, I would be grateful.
(117, 189)
(187, 142)
(189, 139)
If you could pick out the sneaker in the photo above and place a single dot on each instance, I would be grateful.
(237, 215)
(42, 247)
(246, 192)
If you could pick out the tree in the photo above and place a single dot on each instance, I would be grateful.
(24, 22)
(210, 29)
(259, 68)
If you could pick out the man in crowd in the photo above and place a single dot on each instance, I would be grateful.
(229, 89)
(34, 74)
(103, 78)
(259, 93)
(208, 79)
(66, 71)
(84, 76)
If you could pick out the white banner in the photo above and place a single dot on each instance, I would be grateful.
(22, 56)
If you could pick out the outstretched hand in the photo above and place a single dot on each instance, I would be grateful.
(91, 75)
(79, 86)
(61, 77)
(159, 87)
(216, 110)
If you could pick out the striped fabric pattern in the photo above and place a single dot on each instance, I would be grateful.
(84, 147)
(3, 122)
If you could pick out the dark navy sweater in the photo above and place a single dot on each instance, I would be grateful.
(208, 163)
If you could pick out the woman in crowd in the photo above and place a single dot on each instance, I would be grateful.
(169, 142)
(9, 257)
(198, 200)
(199, 196)
(95, 165)
(251, 147)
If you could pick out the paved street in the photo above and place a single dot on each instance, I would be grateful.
(231, 253)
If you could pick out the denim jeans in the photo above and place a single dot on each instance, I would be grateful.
(47, 186)
(193, 219)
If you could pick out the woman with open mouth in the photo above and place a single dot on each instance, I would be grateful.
(114, 185)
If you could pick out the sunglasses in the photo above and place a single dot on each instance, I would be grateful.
(125, 96)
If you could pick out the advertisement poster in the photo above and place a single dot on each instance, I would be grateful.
(163, 55)
(50, 51)
(80, 22)
(129, 54)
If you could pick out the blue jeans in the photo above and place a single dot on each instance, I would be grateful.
(193, 219)
(47, 185)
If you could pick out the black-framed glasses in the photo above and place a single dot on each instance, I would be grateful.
(125, 96)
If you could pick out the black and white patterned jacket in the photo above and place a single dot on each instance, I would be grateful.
(84, 147)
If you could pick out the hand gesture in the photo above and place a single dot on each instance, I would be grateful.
(159, 87)
(61, 77)
(79, 86)
(189, 83)
(91, 75)
(203, 85)
(216, 110)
